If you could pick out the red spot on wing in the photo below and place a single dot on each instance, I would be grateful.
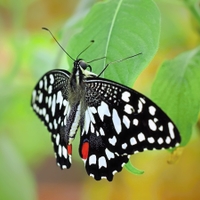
(69, 149)
(85, 150)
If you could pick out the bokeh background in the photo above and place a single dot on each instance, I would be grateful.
(27, 163)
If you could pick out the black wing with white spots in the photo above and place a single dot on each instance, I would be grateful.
(50, 103)
(115, 121)
(119, 122)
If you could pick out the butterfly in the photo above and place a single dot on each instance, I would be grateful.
(115, 121)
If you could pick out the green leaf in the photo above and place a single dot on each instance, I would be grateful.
(120, 28)
(16, 180)
(132, 169)
(193, 6)
(176, 90)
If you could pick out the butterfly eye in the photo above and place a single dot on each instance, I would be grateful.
(84, 65)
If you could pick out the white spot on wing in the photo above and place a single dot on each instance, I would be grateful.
(93, 110)
(64, 150)
(55, 124)
(51, 78)
(168, 140)
(65, 102)
(40, 97)
(140, 106)
(70, 158)
(40, 84)
(171, 130)
(151, 140)
(60, 150)
(155, 119)
(53, 106)
(133, 141)
(33, 96)
(50, 125)
(160, 140)
(109, 154)
(92, 159)
(97, 133)
(44, 111)
(103, 110)
(161, 128)
(114, 172)
(59, 98)
(152, 125)
(152, 110)
(46, 99)
(124, 145)
(177, 144)
(91, 117)
(92, 175)
(128, 109)
(50, 88)
(57, 139)
(87, 121)
(47, 118)
(101, 131)
(40, 112)
(91, 128)
(116, 121)
(102, 162)
(126, 121)
(64, 167)
(125, 96)
(142, 100)
(113, 140)
(59, 120)
(141, 137)
(135, 122)
(45, 83)
(49, 101)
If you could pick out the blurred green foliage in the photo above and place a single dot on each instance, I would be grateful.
(27, 53)
(179, 81)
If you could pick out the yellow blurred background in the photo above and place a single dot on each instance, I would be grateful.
(27, 165)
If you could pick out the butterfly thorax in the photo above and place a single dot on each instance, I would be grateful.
(76, 85)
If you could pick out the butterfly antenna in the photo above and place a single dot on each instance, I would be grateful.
(120, 60)
(46, 29)
(91, 42)
(96, 59)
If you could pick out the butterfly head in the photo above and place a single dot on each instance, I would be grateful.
(81, 66)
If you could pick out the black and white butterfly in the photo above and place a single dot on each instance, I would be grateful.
(114, 120)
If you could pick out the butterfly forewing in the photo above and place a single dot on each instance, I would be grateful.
(50, 103)
(131, 121)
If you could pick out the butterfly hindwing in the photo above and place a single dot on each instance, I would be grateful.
(50, 103)
(99, 161)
